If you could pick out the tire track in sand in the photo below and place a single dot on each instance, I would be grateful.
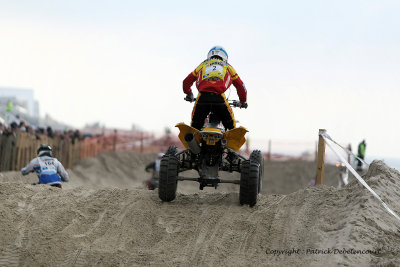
(10, 256)
(209, 234)
(75, 258)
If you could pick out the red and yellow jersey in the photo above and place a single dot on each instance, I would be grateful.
(215, 76)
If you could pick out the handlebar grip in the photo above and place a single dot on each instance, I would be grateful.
(238, 104)
(189, 100)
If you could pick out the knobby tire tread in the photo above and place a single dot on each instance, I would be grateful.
(256, 156)
(172, 150)
(249, 183)
(168, 178)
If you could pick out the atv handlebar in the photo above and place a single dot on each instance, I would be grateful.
(238, 104)
(233, 103)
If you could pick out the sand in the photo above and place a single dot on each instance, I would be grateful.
(104, 216)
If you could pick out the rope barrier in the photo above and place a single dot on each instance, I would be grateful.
(345, 149)
(329, 141)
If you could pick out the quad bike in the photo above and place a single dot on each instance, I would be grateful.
(210, 151)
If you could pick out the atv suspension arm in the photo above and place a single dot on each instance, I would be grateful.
(211, 180)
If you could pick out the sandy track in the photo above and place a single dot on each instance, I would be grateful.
(113, 226)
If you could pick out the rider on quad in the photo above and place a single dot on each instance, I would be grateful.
(212, 149)
(213, 77)
(154, 166)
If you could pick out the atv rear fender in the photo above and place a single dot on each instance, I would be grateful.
(235, 137)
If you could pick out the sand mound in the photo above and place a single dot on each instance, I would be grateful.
(126, 170)
(289, 176)
(114, 169)
(41, 225)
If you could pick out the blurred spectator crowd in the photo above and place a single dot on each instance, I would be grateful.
(18, 125)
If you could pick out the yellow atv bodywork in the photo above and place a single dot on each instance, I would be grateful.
(235, 137)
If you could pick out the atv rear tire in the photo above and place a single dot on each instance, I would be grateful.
(256, 156)
(249, 178)
(168, 180)
(172, 150)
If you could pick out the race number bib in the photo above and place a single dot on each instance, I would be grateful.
(214, 69)
(47, 166)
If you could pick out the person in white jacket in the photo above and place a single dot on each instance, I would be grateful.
(48, 169)
(154, 166)
(343, 177)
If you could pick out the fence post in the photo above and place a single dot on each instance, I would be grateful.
(269, 150)
(348, 154)
(141, 142)
(321, 158)
(316, 152)
(115, 140)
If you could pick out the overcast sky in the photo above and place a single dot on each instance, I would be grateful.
(306, 64)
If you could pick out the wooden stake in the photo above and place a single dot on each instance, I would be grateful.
(321, 158)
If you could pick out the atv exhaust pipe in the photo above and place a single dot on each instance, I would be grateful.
(192, 143)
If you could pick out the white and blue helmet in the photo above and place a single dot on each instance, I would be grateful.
(218, 51)
(44, 150)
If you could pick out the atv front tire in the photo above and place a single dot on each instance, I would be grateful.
(249, 178)
(168, 180)
(256, 156)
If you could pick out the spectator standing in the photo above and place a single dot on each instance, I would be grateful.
(361, 154)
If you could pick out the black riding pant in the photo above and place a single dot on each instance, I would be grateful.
(217, 105)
